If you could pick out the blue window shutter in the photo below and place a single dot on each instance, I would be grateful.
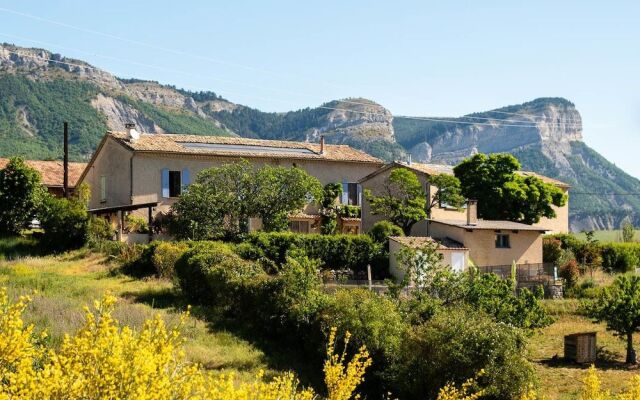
(165, 183)
(186, 179)
(359, 194)
(345, 192)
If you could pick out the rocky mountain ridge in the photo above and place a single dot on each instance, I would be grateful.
(39, 89)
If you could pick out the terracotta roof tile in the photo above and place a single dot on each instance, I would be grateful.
(197, 145)
(417, 241)
(489, 224)
(52, 171)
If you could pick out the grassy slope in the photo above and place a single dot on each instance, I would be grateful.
(64, 284)
(562, 381)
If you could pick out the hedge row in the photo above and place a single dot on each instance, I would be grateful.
(616, 257)
(336, 252)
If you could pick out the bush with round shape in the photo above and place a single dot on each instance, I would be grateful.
(165, 256)
(570, 272)
(381, 231)
(65, 223)
(453, 347)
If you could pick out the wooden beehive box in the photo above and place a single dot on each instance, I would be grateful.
(580, 347)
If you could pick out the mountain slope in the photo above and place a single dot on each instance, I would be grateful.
(39, 90)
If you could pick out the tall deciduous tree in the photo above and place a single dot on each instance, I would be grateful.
(447, 192)
(403, 201)
(20, 195)
(503, 194)
(222, 199)
(619, 306)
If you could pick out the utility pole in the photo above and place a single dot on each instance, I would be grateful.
(65, 183)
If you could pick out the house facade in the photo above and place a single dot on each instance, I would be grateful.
(376, 180)
(152, 170)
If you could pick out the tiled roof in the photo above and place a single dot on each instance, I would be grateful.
(417, 241)
(197, 145)
(488, 224)
(301, 215)
(52, 172)
(435, 169)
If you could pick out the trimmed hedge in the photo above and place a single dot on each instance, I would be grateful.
(352, 252)
(616, 257)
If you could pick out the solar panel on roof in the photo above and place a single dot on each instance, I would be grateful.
(244, 148)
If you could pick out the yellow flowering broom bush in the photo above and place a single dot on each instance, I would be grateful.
(106, 361)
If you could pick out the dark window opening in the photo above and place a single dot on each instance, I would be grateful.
(502, 241)
(299, 226)
(352, 194)
(175, 183)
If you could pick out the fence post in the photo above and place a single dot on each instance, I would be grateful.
(369, 277)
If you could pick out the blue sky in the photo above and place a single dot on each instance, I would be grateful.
(414, 57)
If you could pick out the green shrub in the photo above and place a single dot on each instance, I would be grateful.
(137, 224)
(99, 230)
(570, 272)
(164, 258)
(568, 241)
(65, 223)
(212, 273)
(454, 346)
(551, 250)
(620, 257)
(381, 231)
(353, 252)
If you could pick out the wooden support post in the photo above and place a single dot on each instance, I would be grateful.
(369, 277)
(120, 225)
(150, 224)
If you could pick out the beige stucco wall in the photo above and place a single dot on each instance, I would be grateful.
(398, 273)
(376, 185)
(559, 224)
(147, 172)
(526, 246)
(113, 162)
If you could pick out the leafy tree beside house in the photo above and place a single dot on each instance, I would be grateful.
(503, 194)
(222, 199)
(402, 201)
(21, 192)
(448, 192)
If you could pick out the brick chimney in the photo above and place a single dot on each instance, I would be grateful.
(472, 212)
(321, 144)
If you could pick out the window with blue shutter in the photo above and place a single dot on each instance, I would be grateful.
(186, 179)
(165, 183)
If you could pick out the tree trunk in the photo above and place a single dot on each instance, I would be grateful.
(631, 352)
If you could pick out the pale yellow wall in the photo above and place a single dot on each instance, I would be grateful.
(147, 172)
(398, 273)
(376, 185)
(113, 161)
(526, 246)
(559, 224)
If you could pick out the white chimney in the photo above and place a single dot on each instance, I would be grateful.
(472, 212)
(133, 134)
(321, 144)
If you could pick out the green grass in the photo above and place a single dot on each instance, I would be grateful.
(562, 381)
(607, 236)
(62, 285)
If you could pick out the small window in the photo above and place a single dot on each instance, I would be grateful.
(103, 189)
(502, 241)
(352, 194)
(175, 183)
(299, 226)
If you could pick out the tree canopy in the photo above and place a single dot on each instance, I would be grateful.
(503, 194)
(222, 199)
(448, 192)
(21, 193)
(403, 201)
(619, 306)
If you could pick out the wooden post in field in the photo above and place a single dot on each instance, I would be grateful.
(369, 277)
